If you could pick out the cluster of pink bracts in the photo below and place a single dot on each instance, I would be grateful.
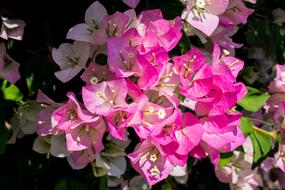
(139, 88)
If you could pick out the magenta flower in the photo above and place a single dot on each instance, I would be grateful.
(188, 64)
(177, 139)
(9, 68)
(104, 97)
(151, 64)
(70, 114)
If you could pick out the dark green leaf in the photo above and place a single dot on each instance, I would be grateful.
(71, 184)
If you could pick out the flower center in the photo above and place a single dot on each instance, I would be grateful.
(200, 4)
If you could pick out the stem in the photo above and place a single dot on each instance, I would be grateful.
(271, 134)
(261, 121)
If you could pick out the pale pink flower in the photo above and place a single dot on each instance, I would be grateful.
(278, 84)
(96, 73)
(44, 117)
(93, 21)
(9, 68)
(150, 161)
(204, 14)
(88, 134)
(236, 13)
(71, 58)
(12, 28)
(131, 3)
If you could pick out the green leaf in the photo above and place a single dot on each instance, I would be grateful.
(246, 126)
(262, 144)
(253, 100)
(257, 154)
(11, 92)
(264, 141)
(225, 158)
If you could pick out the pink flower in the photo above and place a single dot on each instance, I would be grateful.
(70, 114)
(112, 26)
(119, 119)
(122, 58)
(235, 14)
(88, 134)
(204, 15)
(9, 68)
(153, 118)
(278, 85)
(222, 36)
(103, 97)
(228, 63)
(96, 73)
(149, 160)
(151, 64)
(212, 86)
(163, 33)
(167, 83)
(221, 134)
(12, 28)
(71, 59)
(188, 64)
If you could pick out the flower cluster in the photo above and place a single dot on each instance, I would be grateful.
(216, 19)
(177, 106)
